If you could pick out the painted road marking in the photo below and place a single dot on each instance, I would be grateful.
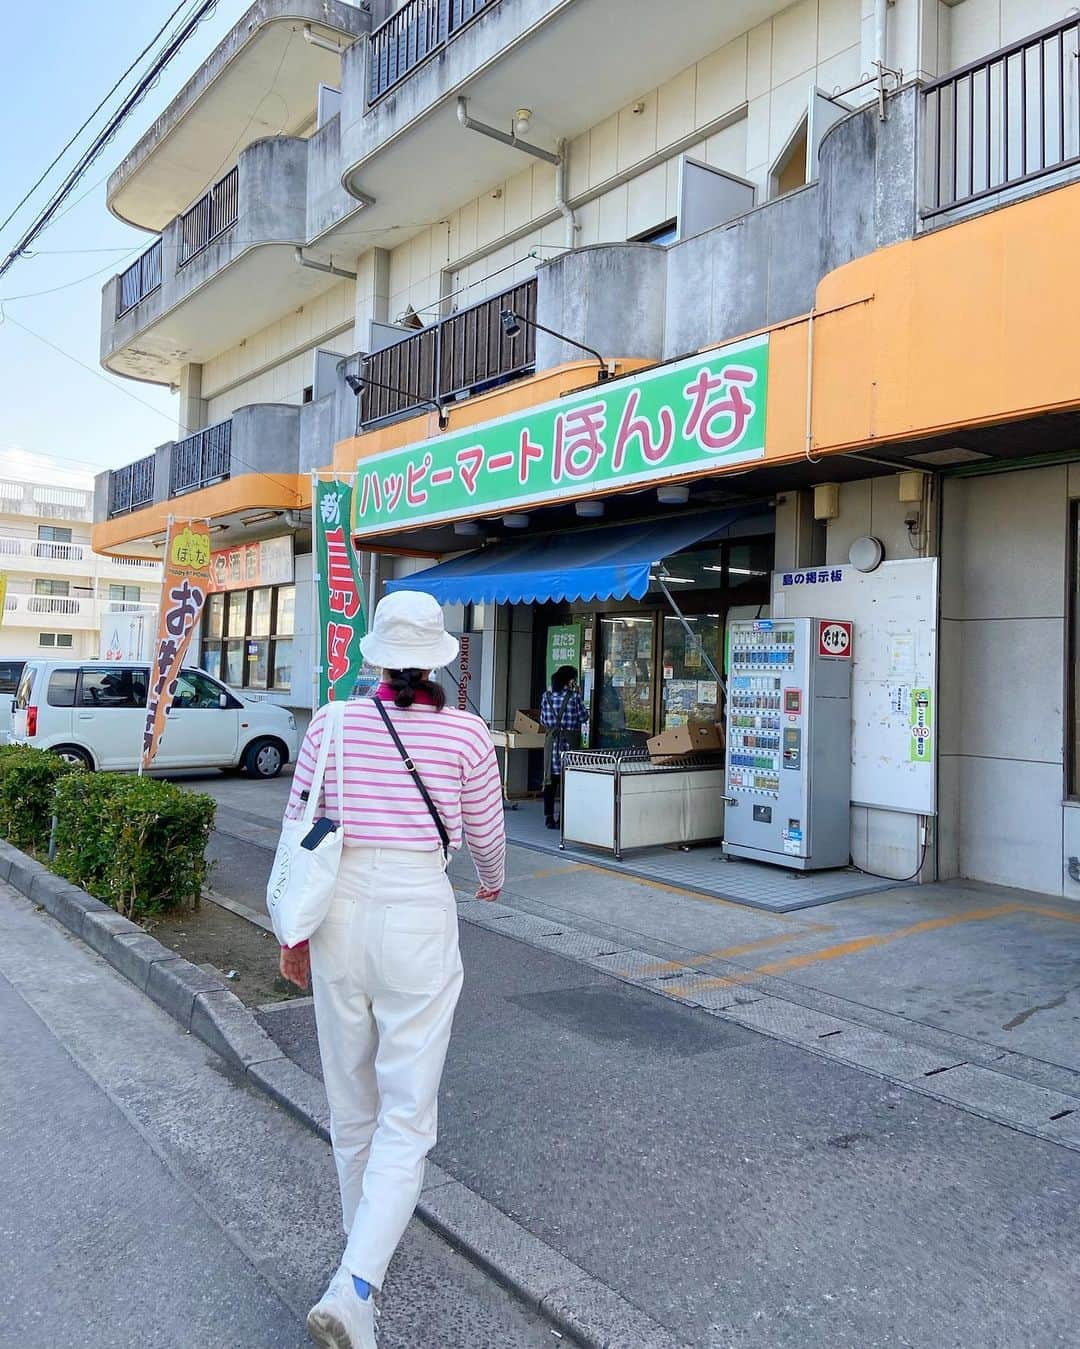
(731, 952)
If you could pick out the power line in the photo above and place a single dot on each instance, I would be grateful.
(98, 374)
(45, 173)
(172, 46)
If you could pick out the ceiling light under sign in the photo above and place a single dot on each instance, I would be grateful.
(467, 528)
(515, 522)
(675, 494)
(589, 510)
(522, 121)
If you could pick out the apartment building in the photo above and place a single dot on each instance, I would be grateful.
(62, 597)
(511, 219)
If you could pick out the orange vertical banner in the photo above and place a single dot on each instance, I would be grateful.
(185, 586)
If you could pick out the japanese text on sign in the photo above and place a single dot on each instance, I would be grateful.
(184, 590)
(689, 416)
(340, 599)
(821, 576)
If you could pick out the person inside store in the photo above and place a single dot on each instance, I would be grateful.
(563, 715)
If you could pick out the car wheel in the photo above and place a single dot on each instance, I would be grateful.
(263, 759)
(72, 754)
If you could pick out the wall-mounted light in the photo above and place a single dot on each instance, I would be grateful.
(522, 121)
(512, 322)
(357, 382)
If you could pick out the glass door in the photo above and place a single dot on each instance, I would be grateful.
(690, 692)
(626, 681)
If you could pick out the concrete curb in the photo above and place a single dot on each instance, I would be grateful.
(575, 1303)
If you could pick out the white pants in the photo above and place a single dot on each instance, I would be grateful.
(386, 974)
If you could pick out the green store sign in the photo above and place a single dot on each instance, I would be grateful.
(693, 416)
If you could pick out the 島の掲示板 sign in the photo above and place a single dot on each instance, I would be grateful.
(700, 414)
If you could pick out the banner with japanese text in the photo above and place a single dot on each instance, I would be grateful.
(185, 585)
(697, 415)
(340, 602)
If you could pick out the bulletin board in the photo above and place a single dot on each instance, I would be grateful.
(894, 672)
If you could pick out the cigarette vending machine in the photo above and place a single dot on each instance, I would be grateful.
(789, 742)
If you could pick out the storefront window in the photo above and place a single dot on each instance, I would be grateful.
(262, 603)
(626, 681)
(215, 617)
(248, 637)
(749, 563)
(691, 693)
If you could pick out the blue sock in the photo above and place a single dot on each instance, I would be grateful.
(363, 1289)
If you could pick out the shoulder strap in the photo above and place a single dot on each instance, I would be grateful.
(415, 775)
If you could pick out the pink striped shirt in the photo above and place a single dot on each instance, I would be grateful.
(454, 755)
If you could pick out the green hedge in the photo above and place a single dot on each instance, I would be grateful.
(136, 843)
(28, 781)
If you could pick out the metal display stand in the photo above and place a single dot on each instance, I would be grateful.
(618, 800)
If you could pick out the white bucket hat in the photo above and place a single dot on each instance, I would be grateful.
(408, 633)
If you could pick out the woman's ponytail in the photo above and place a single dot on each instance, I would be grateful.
(408, 683)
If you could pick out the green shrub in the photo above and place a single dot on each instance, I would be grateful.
(136, 843)
(28, 780)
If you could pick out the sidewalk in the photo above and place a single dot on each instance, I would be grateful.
(971, 970)
(854, 1125)
(151, 1198)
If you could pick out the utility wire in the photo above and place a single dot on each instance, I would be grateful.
(45, 172)
(98, 374)
(101, 140)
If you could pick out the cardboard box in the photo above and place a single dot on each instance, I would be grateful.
(696, 737)
(528, 722)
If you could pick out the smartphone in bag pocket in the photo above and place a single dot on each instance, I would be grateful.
(321, 829)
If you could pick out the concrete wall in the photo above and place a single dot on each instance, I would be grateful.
(265, 439)
(1002, 678)
(612, 298)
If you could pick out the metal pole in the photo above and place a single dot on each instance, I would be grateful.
(316, 636)
(691, 633)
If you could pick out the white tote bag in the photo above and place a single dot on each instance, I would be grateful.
(305, 869)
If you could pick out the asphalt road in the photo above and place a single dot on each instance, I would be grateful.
(149, 1198)
(738, 1189)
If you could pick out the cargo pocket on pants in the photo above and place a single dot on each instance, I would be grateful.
(414, 948)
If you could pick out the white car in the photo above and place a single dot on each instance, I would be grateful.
(94, 713)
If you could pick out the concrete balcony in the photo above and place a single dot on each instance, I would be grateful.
(40, 557)
(222, 270)
(261, 80)
(401, 141)
(237, 471)
(51, 611)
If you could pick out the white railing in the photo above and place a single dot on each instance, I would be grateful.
(44, 554)
(43, 611)
(42, 550)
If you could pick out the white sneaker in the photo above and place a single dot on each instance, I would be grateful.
(341, 1319)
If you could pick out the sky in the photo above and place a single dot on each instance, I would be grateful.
(56, 62)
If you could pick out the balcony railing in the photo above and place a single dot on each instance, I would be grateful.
(141, 279)
(464, 353)
(201, 459)
(35, 552)
(43, 611)
(1007, 119)
(210, 217)
(411, 35)
(131, 486)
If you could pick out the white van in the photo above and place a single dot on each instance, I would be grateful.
(94, 713)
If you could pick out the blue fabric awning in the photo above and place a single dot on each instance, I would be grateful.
(611, 562)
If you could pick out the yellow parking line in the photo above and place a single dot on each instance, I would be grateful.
(731, 952)
(856, 945)
(557, 871)
(1047, 912)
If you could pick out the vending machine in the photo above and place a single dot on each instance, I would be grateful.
(789, 742)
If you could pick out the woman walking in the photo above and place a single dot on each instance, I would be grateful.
(384, 963)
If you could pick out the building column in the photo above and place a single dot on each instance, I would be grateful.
(372, 293)
(191, 415)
